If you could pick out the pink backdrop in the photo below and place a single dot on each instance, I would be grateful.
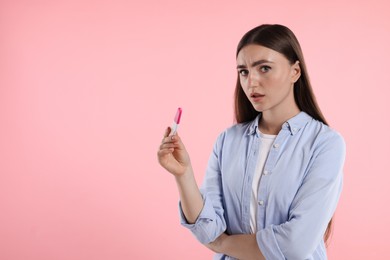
(87, 88)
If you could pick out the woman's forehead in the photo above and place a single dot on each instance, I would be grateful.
(253, 52)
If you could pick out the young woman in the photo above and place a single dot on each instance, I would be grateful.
(273, 179)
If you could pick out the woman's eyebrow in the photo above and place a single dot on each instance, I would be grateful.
(254, 64)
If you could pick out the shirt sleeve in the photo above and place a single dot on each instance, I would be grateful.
(210, 223)
(312, 208)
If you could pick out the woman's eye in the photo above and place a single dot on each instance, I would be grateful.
(265, 68)
(243, 72)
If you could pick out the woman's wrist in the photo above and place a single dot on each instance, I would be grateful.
(187, 175)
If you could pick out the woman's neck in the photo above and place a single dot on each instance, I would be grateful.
(271, 122)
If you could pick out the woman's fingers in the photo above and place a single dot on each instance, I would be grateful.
(163, 152)
(167, 132)
(170, 141)
(169, 145)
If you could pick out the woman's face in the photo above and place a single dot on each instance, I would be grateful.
(267, 78)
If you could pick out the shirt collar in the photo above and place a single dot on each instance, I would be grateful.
(294, 124)
(253, 125)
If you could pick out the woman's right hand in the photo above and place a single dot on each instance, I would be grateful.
(172, 155)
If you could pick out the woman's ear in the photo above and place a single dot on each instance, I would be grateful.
(295, 71)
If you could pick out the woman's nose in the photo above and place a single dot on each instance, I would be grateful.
(253, 80)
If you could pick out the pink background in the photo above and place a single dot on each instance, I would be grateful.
(87, 88)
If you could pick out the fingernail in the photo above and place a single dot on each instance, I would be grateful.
(172, 137)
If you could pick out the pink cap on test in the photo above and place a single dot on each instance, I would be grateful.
(178, 115)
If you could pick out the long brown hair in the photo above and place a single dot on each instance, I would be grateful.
(281, 39)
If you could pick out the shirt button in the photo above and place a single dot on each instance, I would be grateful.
(261, 202)
(265, 172)
(276, 145)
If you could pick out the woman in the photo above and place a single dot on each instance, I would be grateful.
(273, 179)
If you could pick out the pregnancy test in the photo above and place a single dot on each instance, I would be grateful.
(176, 122)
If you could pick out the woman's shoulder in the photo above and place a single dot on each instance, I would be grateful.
(325, 135)
(234, 134)
(240, 129)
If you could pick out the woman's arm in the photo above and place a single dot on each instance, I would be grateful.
(202, 213)
(190, 198)
(173, 156)
(241, 246)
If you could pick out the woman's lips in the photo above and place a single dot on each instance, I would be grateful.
(256, 97)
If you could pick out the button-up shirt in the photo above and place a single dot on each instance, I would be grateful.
(298, 192)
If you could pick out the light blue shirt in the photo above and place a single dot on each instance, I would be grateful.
(298, 192)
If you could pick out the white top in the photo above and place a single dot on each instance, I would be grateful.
(266, 142)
